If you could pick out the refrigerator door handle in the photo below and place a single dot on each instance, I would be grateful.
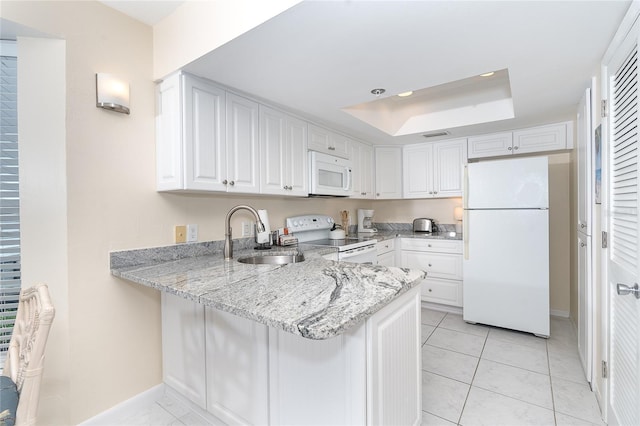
(465, 187)
(465, 233)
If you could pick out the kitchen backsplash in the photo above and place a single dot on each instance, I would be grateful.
(402, 227)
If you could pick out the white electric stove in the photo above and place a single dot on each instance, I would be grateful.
(314, 229)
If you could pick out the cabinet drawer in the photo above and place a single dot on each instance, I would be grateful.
(437, 265)
(386, 246)
(441, 246)
(442, 291)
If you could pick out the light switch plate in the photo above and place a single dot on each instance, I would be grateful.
(192, 233)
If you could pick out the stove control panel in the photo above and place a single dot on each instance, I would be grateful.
(309, 222)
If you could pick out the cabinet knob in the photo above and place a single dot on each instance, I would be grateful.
(582, 225)
(290, 188)
(516, 147)
(509, 148)
(429, 290)
(435, 192)
(581, 244)
(332, 148)
(430, 192)
(232, 183)
(429, 265)
(428, 245)
(377, 194)
(224, 182)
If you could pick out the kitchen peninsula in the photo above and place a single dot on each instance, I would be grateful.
(311, 342)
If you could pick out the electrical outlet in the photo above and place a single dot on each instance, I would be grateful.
(181, 234)
(247, 229)
(192, 233)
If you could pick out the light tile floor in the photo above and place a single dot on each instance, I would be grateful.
(480, 375)
(474, 375)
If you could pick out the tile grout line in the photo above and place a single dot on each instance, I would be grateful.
(472, 379)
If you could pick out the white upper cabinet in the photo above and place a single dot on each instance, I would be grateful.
(323, 140)
(242, 145)
(491, 145)
(207, 139)
(283, 148)
(435, 169)
(362, 172)
(388, 172)
(536, 139)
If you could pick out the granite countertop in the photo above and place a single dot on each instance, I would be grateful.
(317, 298)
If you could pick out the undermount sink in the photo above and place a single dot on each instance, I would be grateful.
(273, 259)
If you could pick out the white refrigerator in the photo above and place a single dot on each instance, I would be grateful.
(506, 244)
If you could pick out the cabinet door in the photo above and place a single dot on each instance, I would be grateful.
(492, 145)
(296, 160)
(242, 145)
(272, 151)
(326, 141)
(387, 259)
(445, 292)
(237, 368)
(538, 139)
(418, 171)
(366, 166)
(183, 347)
(362, 173)
(449, 159)
(388, 172)
(169, 141)
(204, 133)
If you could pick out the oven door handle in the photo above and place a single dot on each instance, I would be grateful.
(356, 252)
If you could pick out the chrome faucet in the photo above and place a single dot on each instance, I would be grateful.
(228, 244)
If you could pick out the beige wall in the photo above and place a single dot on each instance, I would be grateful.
(198, 27)
(405, 211)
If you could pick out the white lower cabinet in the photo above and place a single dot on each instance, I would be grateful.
(236, 368)
(244, 372)
(386, 252)
(442, 261)
(183, 347)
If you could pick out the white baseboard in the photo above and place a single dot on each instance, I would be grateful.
(126, 408)
(559, 313)
(442, 308)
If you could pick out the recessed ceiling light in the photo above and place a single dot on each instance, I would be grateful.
(378, 92)
(487, 74)
(405, 94)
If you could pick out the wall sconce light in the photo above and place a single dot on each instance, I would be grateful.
(112, 93)
(457, 216)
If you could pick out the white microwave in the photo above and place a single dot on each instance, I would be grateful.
(329, 175)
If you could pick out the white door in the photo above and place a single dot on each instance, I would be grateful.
(585, 306)
(622, 255)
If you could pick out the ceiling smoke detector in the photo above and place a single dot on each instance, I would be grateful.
(378, 92)
(436, 134)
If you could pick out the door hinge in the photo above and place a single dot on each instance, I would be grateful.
(605, 370)
(605, 238)
(603, 108)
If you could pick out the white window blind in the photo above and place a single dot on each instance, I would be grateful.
(9, 196)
